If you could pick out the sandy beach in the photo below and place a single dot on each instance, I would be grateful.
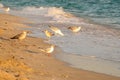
(22, 60)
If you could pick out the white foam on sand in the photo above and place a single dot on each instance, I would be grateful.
(1, 5)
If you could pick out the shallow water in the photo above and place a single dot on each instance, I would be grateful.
(90, 63)
(96, 50)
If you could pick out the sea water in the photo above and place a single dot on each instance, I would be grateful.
(95, 47)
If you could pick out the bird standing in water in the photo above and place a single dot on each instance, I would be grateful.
(7, 9)
(48, 34)
(56, 30)
(75, 28)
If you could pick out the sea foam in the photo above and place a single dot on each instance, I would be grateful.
(1, 5)
(56, 14)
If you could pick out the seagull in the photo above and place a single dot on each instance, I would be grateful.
(56, 30)
(7, 9)
(74, 28)
(20, 36)
(48, 34)
(48, 50)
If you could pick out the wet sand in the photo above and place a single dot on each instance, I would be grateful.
(22, 60)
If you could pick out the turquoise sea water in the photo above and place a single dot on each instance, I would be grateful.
(95, 47)
(100, 11)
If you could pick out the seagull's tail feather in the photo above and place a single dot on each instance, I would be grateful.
(42, 50)
(61, 33)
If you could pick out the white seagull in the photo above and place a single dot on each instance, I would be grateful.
(56, 30)
(7, 9)
(48, 50)
(75, 28)
(20, 36)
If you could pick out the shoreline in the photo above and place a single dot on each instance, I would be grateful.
(23, 61)
(89, 63)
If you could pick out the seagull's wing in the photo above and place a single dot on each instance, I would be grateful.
(59, 32)
(16, 36)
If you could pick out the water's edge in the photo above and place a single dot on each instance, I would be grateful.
(89, 63)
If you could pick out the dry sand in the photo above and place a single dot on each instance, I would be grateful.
(21, 59)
